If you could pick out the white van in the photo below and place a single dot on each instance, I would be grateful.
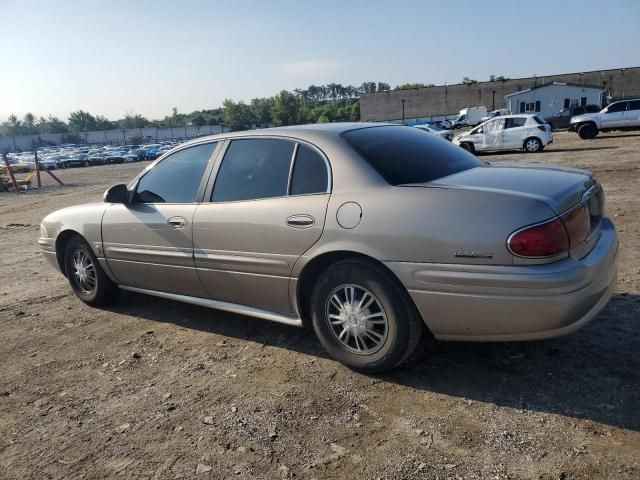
(510, 132)
(469, 117)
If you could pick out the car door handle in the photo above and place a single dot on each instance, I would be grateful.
(177, 222)
(301, 221)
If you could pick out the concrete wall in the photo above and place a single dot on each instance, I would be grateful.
(114, 137)
(450, 99)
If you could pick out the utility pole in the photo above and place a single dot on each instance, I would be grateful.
(402, 110)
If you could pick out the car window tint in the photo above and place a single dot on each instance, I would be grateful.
(309, 172)
(617, 107)
(541, 121)
(634, 105)
(253, 169)
(176, 179)
(516, 122)
(404, 155)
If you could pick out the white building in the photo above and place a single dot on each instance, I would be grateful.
(548, 99)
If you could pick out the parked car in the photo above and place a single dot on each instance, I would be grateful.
(622, 115)
(80, 160)
(510, 132)
(97, 159)
(495, 113)
(369, 232)
(435, 130)
(469, 117)
(560, 120)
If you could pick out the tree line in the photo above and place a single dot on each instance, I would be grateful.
(332, 102)
(317, 103)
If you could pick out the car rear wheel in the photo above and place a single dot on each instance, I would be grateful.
(86, 163)
(87, 278)
(468, 147)
(587, 131)
(363, 317)
(532, 145)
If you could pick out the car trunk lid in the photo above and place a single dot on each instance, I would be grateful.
(563, 189)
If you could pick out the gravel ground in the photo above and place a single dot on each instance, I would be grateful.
(156, 389)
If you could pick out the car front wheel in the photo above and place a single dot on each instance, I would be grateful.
(87, 278)
(587, 131)
(363, 317)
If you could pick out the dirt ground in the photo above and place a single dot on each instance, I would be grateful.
(156, 389)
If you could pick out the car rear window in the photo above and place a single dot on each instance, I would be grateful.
(404, 155)
(539, 120)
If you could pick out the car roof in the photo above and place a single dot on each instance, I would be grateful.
(307, 132)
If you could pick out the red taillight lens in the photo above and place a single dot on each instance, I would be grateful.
(540, 241)
(578, 224)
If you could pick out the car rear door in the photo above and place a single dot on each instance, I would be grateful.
(633, 114)
(267, 203)
(614, 116)
(492, 134)
(148, 243)
(514, 133)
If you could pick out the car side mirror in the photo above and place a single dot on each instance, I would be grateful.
(117, 194)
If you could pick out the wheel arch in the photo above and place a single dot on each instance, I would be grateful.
(314, 268)
(532, 137)
(61, 244)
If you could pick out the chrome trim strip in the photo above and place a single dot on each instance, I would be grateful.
(226, 306)
(291, 164)
(238, 260)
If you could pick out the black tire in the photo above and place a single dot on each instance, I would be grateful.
(403, 326)
(468, 146)
(587, 131)
(100, 291)
(532, 145)
(86, 163)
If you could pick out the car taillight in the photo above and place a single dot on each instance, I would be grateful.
(578, 224)
(543, 240)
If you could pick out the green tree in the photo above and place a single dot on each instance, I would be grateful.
(51, 125)
(288, 109)
(261, 111)
(13, 125)
(103, 123)
(81, 121)
(468, 81)
(29, 124)
(236, 116)
(133, 120)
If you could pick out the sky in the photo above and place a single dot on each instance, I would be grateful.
(147, 56)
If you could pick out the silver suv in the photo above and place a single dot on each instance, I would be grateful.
(622, 115)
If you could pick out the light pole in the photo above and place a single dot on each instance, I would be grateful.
(402, 110)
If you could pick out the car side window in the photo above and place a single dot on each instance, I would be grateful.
(515, 122)
(617, 107)
(634, 105)
(253, 169)
(309, 172)
(177, 178)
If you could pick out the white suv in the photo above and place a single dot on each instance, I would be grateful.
(510, 132)
(622, 115)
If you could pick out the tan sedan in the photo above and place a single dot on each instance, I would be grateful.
(373, 233)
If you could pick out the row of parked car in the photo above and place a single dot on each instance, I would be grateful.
(71, 155)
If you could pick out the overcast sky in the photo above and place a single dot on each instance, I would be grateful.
(147, 56)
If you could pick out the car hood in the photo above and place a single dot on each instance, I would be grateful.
(558, 187)
(585, 117)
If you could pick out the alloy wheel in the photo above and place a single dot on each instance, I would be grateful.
(84, 272)
(357, 319)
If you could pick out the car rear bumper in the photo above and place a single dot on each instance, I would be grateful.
(511, 303)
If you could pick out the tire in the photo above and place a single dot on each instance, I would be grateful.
(468, 147)
(532, 145)
(86, 163)
(90, 284)
(587, 131)
(380, 343)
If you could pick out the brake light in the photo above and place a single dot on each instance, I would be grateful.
(543, 240)
(578, 224)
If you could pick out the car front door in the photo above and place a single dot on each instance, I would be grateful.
(492, 134)
(148, 243)
(267, 207)
(614, 116)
